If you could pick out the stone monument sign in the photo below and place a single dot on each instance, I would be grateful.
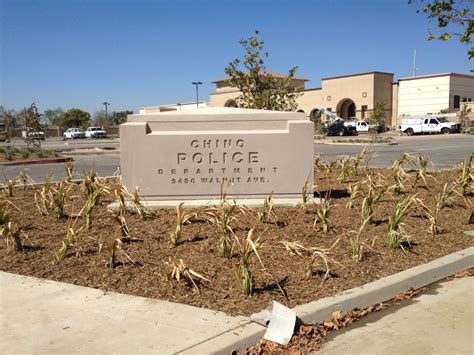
(189, 155)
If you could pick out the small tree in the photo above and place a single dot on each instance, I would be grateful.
(260, 90)
(74, 117)
(32, 118)
(376, 118)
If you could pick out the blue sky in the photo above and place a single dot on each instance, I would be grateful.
(134, 53)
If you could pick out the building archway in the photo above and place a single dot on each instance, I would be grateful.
(231, 103)
(346, 109)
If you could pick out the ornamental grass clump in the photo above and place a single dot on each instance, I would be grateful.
(346, 168)
(43, 199)
(115, 250)
(8, 187)
(313, 254)
(70, 170)
(396, 234)
(267, 210)
(242, 271)
(68, 242)
(140, 208)
(179, 271)
(224, 216)
(466, 177)
(59, 196)
(14, 235)
(354, 239)
(89, 183)
(181, 219)
(322, 213)
(357, 160)
(354, 193)
(398, 172)
(24, 180)
(422, 172)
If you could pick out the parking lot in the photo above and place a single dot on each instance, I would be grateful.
(444, 151)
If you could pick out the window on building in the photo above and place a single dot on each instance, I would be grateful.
(464, 99)
(469, 100)
(363, 110)
(456, 103)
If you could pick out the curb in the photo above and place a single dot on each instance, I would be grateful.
(38, 161)
(359, 297)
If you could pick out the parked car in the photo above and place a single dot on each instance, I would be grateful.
(30, 134)
(95, 132)
(73, 133)
(339, 129)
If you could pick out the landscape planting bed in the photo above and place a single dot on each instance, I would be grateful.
(87, 262)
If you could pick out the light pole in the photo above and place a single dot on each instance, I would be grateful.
(197, 83)
(105, 103)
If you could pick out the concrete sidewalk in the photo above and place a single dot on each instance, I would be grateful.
(39, 316)
(438, 322)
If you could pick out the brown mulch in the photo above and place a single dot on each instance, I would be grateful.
(87, 264)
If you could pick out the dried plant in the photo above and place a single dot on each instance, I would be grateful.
(89, 183)
(267, 210)
(115, 249)
(224, 216)
(398, 172)
(367, 161)
(88, 206)
(396, 235)
(69, 170)
(357, 160)
(123, 227)
(48, 182)
(58, 196)
(68, 242)
(422, 171)
(8, 186)
(312, 253)
(354, 239)
(13, 234)
(329, 166)
(142, 211)
(121, 195)
(242, 272)
(346, 168)
(24, 180)
(322, 213)
(179, 271)
(181, 219)
(446, 197)
(305, 194)
(466, 177)
(354, 191)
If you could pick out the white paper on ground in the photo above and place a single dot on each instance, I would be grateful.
(282, 324)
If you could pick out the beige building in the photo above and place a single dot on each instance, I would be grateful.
(354, 96)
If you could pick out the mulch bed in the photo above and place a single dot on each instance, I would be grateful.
(87, 265)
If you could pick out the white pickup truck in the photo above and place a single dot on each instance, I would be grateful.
(430, 125)
(95, 132)
(362, 126)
